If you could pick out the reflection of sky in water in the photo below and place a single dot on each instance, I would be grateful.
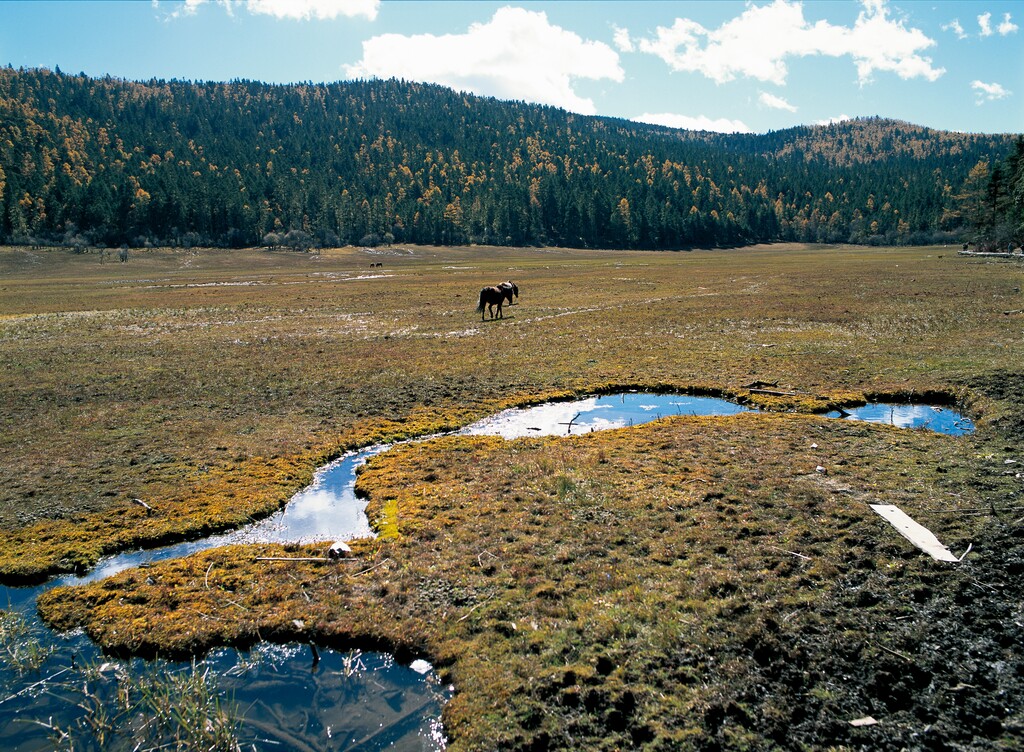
(542, 420)
(349, 699)
(327, 510)
(366, 699)
(936, 419)
(597, 414)
(285, 698)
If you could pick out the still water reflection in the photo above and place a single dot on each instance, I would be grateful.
(938, 419)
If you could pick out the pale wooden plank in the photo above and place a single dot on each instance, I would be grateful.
(917, 534)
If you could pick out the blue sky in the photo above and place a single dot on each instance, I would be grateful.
(714, 64)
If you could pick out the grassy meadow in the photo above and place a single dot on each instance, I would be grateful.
(694, 583)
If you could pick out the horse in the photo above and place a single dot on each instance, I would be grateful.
(490, 297)
(509, 289)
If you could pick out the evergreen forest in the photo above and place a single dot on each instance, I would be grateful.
(108, 162)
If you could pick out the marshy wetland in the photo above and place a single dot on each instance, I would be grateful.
(696, 582)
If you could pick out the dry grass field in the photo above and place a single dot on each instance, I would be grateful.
(695, 583)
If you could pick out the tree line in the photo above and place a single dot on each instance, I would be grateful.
(990, 204)
(108, 162)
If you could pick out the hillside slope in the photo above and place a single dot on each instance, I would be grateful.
(108, 161)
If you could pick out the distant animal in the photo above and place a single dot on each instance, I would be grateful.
(510, 289)
(489, 298)
(123, 254)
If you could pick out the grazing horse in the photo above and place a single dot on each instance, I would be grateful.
(509, 289)
(490, 297)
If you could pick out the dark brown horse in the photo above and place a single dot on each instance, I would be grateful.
(490, 297)
(510, 288)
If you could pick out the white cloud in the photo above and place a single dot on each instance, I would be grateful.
(988, 92)
(188, 8)
(518, 54)
(699, 123)
(622, 40)
(760, 41)
(304, 10)
(775, 103)
(832, 120)
(985, 24)
(956, 28)
(321, 10)
(985, 28)
(878, 43)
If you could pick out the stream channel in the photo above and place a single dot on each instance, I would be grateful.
(346, 700)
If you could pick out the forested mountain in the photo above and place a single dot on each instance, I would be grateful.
(108, 161)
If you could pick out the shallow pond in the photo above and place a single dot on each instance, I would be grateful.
(938, 419)
(598, 414)
(341, 700)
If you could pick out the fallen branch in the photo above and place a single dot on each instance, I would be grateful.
(378, 738)
(982, 509)
(279, 735)
(792, 553)
(369, 569)
(30, 687)
(478, 605)
(480, 557)
(301, 558)
(897, 653)
(569, 424)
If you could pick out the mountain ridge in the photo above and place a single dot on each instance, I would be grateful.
(106, 160)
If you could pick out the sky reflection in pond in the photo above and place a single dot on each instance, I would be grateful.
(938, 419)
(597, 414)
